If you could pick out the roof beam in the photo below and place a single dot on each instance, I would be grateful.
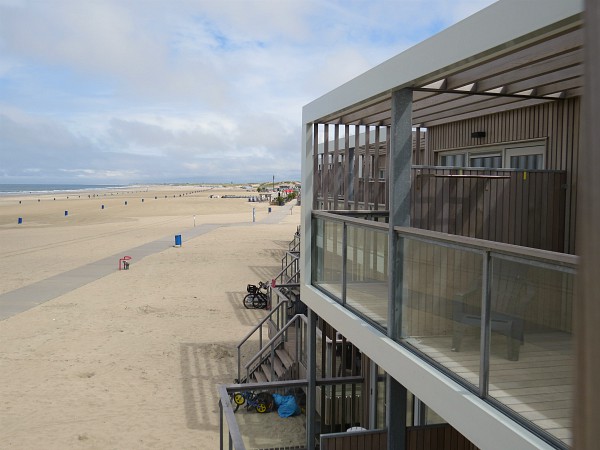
(517, 103)
(527, 56)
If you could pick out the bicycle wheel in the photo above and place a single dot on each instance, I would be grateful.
(259, 302)
(249, 301)
(238, 399)
(261, 408)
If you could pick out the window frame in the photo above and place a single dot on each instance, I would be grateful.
(497, 149)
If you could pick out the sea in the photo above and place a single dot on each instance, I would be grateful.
(20, 189)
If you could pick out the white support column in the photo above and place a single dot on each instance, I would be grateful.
(308, 166)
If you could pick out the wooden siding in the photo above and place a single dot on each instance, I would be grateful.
(427, 437)
(515, 207)
(532, 221)
(557, 122)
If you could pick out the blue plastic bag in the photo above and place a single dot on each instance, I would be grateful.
(286, 405)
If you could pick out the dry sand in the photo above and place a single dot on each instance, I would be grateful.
(132, 359)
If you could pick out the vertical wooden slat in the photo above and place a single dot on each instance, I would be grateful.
(335, 170)
(347, 180)
(387, 167)
(367, 168)
(356, 165)
(326, 174)
(316, 176)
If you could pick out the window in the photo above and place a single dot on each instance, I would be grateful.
(453, 160)
(529, 158)
(526, 156)
(493, 161)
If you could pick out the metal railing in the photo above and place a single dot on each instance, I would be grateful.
(480, 299)
(228, 425)
(255, 362)
(279, 320)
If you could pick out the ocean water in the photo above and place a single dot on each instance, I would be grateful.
(16, 189)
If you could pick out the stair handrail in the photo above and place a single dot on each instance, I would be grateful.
(291, 279)
(271, 343)
(260, 338)
(295, 242)
(285, 268)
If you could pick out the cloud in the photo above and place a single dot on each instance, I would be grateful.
(170, 91)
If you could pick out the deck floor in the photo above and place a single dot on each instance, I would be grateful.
(539, 386)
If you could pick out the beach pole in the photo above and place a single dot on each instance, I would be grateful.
(253, 214)
(194, 221)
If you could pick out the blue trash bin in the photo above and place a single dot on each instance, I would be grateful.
(178, 240)
(20, 220)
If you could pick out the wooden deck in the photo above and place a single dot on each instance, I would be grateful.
(538, 387)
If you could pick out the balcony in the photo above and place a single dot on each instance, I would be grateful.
(494, 317)
(520, 207)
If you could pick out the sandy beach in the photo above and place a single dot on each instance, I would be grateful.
(131, 359)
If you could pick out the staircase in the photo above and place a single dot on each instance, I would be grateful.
(278, 358)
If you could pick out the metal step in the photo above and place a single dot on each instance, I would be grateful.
(284, 357)
(280, 369)
(260, 376)
(266, 369)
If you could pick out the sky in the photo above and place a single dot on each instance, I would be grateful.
(184, 91)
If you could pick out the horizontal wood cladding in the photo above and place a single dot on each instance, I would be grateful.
(557, 122)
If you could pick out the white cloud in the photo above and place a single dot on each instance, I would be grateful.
(147, 90)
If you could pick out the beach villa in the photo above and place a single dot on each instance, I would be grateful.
(446, 196)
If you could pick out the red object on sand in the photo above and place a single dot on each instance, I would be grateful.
(123, 260)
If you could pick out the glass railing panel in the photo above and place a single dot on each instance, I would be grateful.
(327, 256)
(531, 346)
(441, 304)
(367, 273)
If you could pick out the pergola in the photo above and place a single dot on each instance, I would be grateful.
(540, 68)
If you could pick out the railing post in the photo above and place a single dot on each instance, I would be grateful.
(272, 361)
(311, 377)
(344, 261)
(239, 364)
(221, 423)
(484, 344)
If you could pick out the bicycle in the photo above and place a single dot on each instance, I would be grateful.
(257, 296)
(261, 402)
